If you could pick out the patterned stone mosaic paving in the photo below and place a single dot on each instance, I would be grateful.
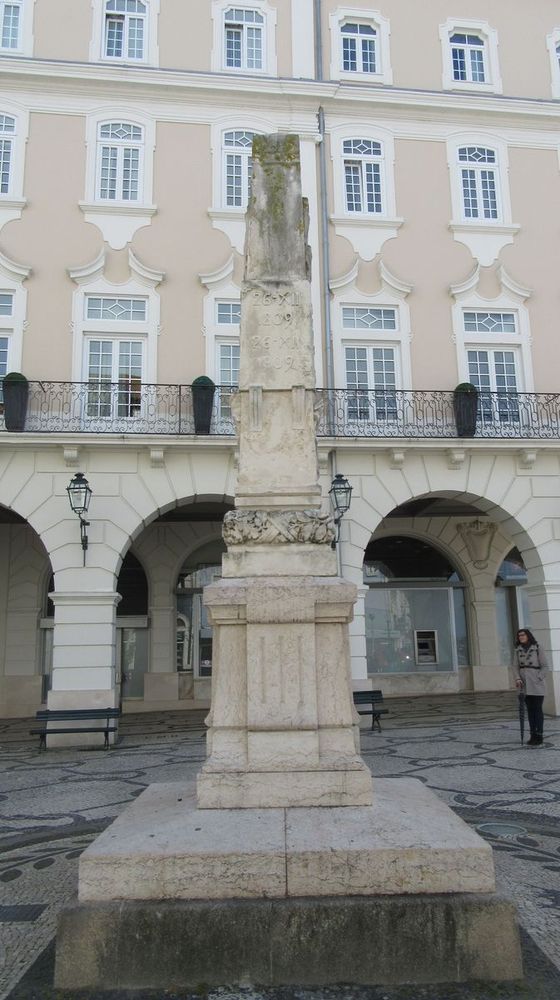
(466, 748)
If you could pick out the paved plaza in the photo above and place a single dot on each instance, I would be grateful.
(466, 748)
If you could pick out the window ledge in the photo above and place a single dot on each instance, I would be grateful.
(347, 76)
(117, 208)
(473, 88)
(484, 239)
(366, 233)
(118, 221)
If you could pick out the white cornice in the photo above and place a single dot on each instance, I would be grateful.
(466, 286)
(393, 283)
(220, 274)
(88, 272)
(13, 270)
(513, 286)
(101, 80)
(335, 284)
(143, 272)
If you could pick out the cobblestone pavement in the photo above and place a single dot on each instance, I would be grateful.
(465, 747)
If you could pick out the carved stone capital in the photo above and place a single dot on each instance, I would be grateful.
(283, 527)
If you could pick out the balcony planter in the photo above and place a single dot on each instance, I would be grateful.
(15, 391)
(465, 407)
(203, 390)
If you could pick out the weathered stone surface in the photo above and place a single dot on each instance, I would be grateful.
(305, 942)
(281, 696)
(277, 527)
(164, 847)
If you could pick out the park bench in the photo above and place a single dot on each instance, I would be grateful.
(370, 703)
(101, 716)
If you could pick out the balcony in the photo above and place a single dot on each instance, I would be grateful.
(128, 407)
(351, 413)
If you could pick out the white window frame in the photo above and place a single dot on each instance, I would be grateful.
(118, 220)
(151, 49)
(381, 26)
(121, 146)
(25, 33)
(12, 327)
(366, 231)
(91, 282)
(485, 238)
(245, 153)
(229, 219)
(391, 295)
(218, 60)
(12, 201)
(512, 299)
(489, 36)
(221, 287)
(553, 46)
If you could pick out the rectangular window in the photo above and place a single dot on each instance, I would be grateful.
(228, 313)
(362, 176)
(114, 375)
(228, 359)
(116, 308)
(358, 318)
(467, 58)
(490, 322)
(358, 48)
(10, 21)
(371, 380)
(6, 304)
(124, 29)
(3, 362)
(494, 373)
(243, 36)
(5, 165)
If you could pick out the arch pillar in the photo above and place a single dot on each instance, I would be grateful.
(544, 603)
(84, 655)
(488, 672)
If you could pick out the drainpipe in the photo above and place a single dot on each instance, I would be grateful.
(325, 249)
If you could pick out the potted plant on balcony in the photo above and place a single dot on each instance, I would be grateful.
(203, 390)
(465, 408)
(15, 392)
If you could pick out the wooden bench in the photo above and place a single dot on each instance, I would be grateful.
(372, 704)
(102, 716)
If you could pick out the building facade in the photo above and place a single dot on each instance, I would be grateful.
(430, 151)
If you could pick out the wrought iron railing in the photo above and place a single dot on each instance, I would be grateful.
(361, 413)
(128, 407)
(125, 407)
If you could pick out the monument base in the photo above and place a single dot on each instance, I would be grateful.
(399, 891)
(287, 942)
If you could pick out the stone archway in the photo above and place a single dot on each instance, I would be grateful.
(517, 502)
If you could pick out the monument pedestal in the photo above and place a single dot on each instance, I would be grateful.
(399, 891)
(281, 728)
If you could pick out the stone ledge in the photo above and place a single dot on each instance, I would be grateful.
(163, 846)
(304, 942)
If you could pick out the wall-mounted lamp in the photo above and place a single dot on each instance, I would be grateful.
(341, 496)
(79, 494)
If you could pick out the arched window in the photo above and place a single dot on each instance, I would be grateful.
(125, 30)
(119, 161)
(238, 167)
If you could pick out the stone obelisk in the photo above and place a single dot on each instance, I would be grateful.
(247, 880)
(281, 724)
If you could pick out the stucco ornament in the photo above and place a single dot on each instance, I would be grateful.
(277, 527)
(478, 536)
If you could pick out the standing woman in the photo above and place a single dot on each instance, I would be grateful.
(530, 667)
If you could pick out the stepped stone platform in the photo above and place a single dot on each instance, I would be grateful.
(401, 890)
